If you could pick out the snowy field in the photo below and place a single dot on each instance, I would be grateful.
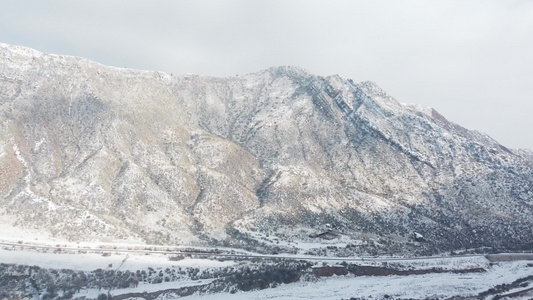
(138, 261)
(93, 261)
(438, 286)
(434, 285)
(148, 288)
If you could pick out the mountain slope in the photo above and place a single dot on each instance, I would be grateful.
(94, 152)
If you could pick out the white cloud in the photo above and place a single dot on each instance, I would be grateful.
(469, 59)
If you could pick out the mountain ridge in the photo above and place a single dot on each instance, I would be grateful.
(164, 159)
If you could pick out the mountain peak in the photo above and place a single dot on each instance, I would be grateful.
(94, 152)
(290, 71)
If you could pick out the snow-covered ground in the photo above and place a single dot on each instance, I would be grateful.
(9, 232)
(439, 286)
(93, 261)
(301, 245)
(434, 285)
(142, 288)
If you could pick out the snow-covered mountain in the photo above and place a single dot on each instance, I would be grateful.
(91, 152)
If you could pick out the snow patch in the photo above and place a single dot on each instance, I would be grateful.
(40, 142)
(19, 156)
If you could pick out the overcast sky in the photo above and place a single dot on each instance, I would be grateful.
(470, 60)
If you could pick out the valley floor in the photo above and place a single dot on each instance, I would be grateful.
(162, 275)
(433, 286)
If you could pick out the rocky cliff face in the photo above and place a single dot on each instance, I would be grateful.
(94, 152)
